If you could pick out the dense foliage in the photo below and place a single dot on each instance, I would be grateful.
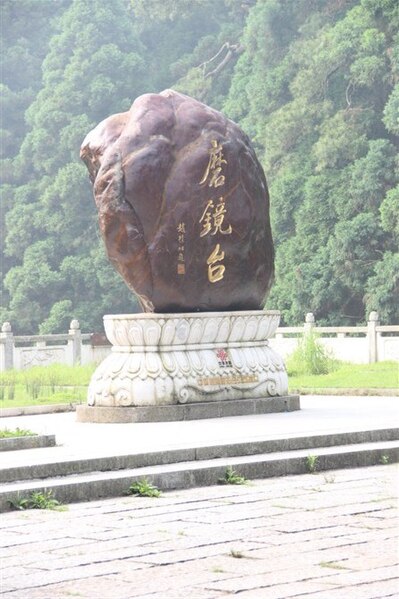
(315, 83)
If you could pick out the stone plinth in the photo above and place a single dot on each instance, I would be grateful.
(209, 364)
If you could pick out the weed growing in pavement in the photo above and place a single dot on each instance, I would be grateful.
(329, 478)
(19, 503)
(143, 488)
(333, 565)
(218, 570)
(236, 554)
(311, 463)
(37, 500)
(384, 459)
(231, 477)
(17, 432)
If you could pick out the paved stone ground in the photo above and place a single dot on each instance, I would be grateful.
(321, 536)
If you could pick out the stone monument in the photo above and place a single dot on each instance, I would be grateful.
(184, 213)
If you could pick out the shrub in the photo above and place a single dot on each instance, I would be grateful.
(310, 357)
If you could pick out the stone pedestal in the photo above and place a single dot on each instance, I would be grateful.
(187, 366)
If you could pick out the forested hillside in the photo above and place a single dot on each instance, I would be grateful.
(315, 84)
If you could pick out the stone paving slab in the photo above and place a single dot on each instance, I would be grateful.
(313, 536)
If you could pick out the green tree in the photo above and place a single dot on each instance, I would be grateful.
(94, 67)
(315, 89)
(193, 45)
(383, 288)
(26, 27)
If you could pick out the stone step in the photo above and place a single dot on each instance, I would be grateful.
(37, 467)
(202, 472)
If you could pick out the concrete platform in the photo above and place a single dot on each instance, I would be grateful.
(318, 414)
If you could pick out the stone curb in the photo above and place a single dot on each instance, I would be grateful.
(28, 442)
(35, 410)
(348, 391)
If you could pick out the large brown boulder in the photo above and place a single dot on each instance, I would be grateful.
(183, 205)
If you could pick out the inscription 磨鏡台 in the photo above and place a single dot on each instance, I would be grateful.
(212, 219)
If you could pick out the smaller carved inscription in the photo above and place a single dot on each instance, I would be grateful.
(228, 380)
(181, 232)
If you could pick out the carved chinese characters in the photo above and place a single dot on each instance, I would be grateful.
(213, 216)
(183, 206)
(181, 231)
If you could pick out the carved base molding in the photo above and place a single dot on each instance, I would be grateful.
(172, 359)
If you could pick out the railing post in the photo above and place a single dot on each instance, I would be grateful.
(309, 323)
(75, 342)
(8, 347)
(372, 324)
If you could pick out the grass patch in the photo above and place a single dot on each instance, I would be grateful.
(381, 375)
(41, 385)
(17, 432)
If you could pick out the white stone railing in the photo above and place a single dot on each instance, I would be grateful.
(359, 345)
(22, 351)
(363, 344)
